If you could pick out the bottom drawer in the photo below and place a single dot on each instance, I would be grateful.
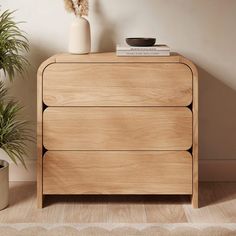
(117, 172)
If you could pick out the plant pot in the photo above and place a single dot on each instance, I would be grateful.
(4, 184)
(80, 37)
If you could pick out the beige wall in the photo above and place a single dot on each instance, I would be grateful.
(202, 30)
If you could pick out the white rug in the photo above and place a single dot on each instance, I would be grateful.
(103, 229)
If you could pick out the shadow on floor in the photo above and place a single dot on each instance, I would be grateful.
(216, 193)
(21, 192)
(209, 194)
(117, 199)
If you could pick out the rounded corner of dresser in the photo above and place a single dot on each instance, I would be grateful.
(45, 111)
(45, 64)
(188, 109)
(189, 102)
(46, 102)
(46, 149)
(45, 154)
(190, 64)
(188, 153)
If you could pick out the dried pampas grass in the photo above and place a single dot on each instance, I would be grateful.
(78, 7)
(69, 5)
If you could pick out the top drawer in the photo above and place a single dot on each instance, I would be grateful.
(117, 84)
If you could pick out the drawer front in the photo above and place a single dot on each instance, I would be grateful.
(117, 128)
(117, 172)
(117, 84)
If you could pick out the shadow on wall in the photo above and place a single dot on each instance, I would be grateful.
(217, 118)
(107, 39)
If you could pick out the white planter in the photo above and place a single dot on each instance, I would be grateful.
(80, 37)
(4, 184)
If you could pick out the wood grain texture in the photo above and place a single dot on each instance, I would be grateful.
(132, 127)
(117, 172)
(195, 130)
(117, 84)
(40, 128)
(119, 128)
(111, 57)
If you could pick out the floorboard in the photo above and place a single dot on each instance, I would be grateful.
(217, 201)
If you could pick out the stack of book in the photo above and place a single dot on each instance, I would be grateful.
(153, 51)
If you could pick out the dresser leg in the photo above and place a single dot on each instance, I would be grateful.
(40, 201)
(194, 200)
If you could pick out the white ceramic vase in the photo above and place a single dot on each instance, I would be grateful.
(4, 184)
(80, 36)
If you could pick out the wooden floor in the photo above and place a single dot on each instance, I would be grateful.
(217, 201)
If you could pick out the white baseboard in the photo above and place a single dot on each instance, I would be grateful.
(209, 170)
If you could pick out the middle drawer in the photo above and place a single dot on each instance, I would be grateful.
(117, 128)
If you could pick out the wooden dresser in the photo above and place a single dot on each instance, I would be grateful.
(117, 125)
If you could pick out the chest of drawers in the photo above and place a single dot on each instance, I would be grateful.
(117, 125)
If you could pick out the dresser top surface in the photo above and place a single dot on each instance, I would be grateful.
(111, 57)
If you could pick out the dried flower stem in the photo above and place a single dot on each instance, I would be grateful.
(78, 7)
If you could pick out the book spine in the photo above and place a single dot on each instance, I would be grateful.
(142, 53)
(146, 49)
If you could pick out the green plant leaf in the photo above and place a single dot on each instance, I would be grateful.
(13, 43)
(14, 132)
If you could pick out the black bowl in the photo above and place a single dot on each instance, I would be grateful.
(140, 42)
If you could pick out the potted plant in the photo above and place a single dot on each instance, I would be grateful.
(80, 36)
(14, 132)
